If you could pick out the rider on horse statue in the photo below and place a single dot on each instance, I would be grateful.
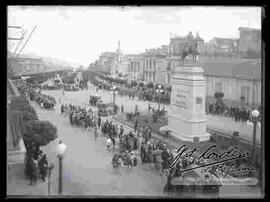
(191, 47)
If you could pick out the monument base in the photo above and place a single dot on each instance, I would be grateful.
(186, 137)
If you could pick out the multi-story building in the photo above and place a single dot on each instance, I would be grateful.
(109, 61)
(177, 45)
(250, 43)
(135, 71)
(219, 47)
(122, 68)
(155, 67)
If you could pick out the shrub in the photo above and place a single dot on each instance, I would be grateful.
(150, 85)
(129, 116)
(39, 133)
(219, 95)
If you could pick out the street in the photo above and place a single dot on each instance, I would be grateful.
(223, 124)
(87, 165)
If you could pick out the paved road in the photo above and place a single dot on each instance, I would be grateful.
(87, 165)
(219, 123)
(81, 98)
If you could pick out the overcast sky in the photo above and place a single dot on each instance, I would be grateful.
(80, 34)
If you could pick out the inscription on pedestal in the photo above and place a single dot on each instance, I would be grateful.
(187, 119)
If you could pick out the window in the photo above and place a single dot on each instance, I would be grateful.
(219, 87)
(245, 92)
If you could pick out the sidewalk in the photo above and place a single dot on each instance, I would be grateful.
(21, 187)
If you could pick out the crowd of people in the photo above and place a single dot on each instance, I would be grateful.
(144, 94)
(79, 115)
(239, 114)
(37, 166)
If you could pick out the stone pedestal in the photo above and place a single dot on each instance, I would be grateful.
(187, 120)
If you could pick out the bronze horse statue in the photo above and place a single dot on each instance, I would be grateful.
(191, 48)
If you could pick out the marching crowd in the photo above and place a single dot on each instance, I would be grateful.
(126, 145)
(239, 114)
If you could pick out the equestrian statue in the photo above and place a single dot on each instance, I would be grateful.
(190, 48)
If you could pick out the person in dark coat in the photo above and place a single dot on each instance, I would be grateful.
(136, 125)
(62, 109)
(43, 164)
(99, 122)
(113, 142)
(71, 118)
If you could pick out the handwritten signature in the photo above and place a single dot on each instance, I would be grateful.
(223, 170)
(218, 166)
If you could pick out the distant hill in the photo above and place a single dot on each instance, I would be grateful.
(55, 61)
(32, 64)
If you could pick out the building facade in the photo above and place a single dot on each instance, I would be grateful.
(15, 146)
(235, 80)
(219, 47)
(250, 43)
(155, 68)
(135, 71)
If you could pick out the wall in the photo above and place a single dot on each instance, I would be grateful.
(232, 88)
(161, 71)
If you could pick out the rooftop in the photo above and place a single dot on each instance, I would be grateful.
(236, 68)
(248, 29)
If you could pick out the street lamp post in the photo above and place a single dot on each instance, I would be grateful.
(114, 91)
(254, 118)
(61, 148)
(50, 168)
(159, 91)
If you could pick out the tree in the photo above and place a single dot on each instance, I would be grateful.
(133, 83)
(39, 133)
(150, 85)
(141, 85)
(219, 96)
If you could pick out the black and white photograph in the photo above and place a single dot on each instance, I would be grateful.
(135, 102)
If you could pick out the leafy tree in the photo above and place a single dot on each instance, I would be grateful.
(150, 85)
(141, 85)
(39, 133)
(133, 83)
(219, 96)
